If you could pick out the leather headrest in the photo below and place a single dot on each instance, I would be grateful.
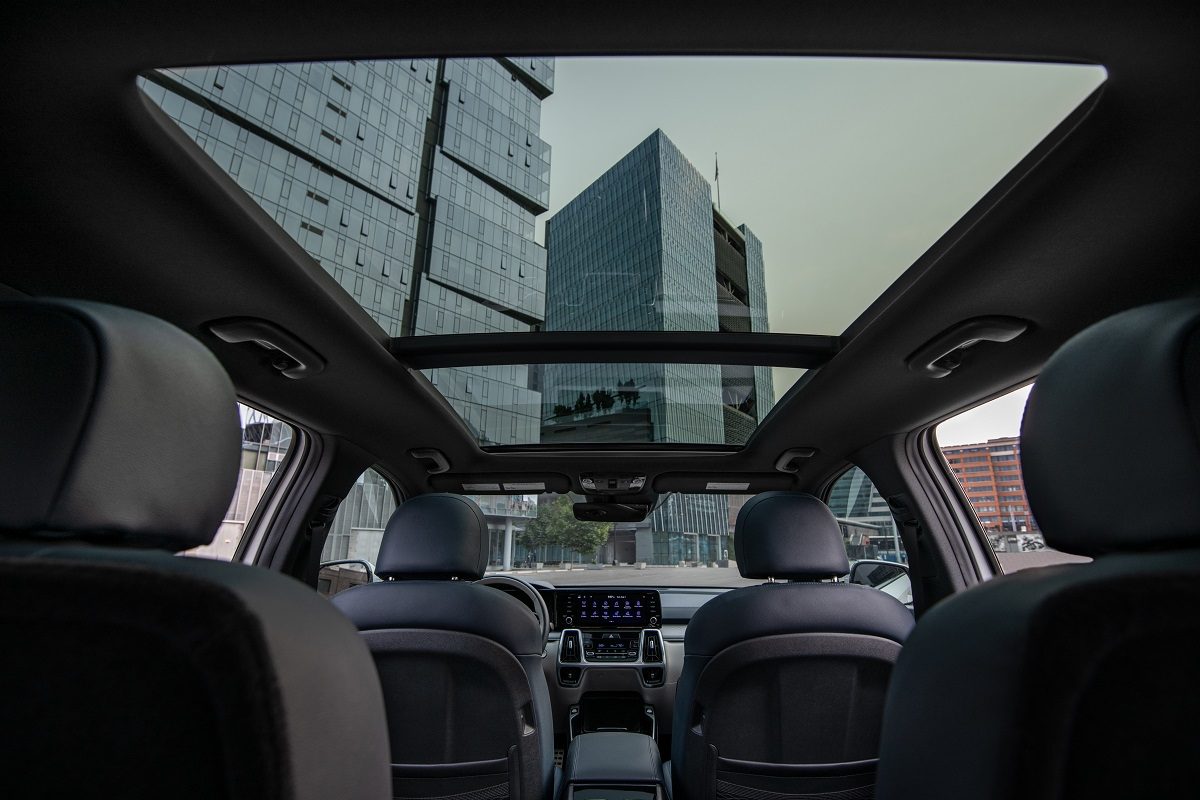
(434, 536)
(1110, 443)
(789, 535)
(115, 427)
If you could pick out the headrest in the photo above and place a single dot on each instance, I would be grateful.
(1110, 443)
(434, 536)
(789, 535)
(115, 428)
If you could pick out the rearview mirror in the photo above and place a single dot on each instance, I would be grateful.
(611, 512)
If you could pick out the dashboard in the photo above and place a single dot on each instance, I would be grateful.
(614, 653)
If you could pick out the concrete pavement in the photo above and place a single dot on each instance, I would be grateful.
(631, 576)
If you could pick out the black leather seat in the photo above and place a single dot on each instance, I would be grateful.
(1079, 680)
(461, 664)
(129, 671)
(783, 684)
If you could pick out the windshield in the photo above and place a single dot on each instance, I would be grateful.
(688, 540)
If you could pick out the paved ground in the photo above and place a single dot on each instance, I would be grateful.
(630, 576)
(1013, 562)
(728, 576)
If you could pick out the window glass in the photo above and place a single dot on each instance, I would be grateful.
(872, 538)
(868, 527)
(265, 444)
(634, 235)
(982, 449)
(689, 540)
(355, 533)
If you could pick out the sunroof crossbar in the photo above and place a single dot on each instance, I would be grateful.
(802, 351)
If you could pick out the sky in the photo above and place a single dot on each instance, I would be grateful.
(846, 169)
(992, 420)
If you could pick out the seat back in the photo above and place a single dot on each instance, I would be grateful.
(783, 685)
(461, 664)
(1076, 680)
(130, 671)
(792, 714)
(461, 716)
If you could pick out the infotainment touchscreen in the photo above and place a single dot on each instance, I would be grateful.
(610, 609)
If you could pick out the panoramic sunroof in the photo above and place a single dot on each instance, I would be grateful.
(688, 194)
(565, 404)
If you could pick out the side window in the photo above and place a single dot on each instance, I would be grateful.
(265, 444)
(355, 533)
(982, 449)
(868, 527)
(872, 539)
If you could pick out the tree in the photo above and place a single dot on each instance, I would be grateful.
(603, 399)
(586, 538)
(627, 393)
(544, 530)
(555, 524)
(561, 411)
(583, 404)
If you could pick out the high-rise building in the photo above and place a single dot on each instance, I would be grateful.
(414, 183)
(642, 248)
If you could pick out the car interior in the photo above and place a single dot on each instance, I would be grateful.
(383, 620)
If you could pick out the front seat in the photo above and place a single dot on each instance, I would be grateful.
(1077, 680)
(129, 671)
(467, 703)
(783, 684)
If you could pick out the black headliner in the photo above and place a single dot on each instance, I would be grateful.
(113, 202)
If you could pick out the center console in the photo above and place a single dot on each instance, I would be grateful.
(613, 766)
(610, 628)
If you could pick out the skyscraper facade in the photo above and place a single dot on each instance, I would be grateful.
(643, 248)
(414, 183)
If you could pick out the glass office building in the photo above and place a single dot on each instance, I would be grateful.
(643, 248)
(414, 183)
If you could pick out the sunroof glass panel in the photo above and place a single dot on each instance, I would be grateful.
(507, 194)
(654, 404)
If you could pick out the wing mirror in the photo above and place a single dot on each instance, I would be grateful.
(886, 576)
(337, 576)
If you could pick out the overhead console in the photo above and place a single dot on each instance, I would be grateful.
(609, 628)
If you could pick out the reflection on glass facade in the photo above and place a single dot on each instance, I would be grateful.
(413, 182)
(643, 248)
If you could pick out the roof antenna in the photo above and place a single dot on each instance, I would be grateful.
(717, 178)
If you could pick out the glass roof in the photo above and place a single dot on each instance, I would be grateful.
(672, 194)
(567, 404)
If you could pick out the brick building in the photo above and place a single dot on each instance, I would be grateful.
(990, 474)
